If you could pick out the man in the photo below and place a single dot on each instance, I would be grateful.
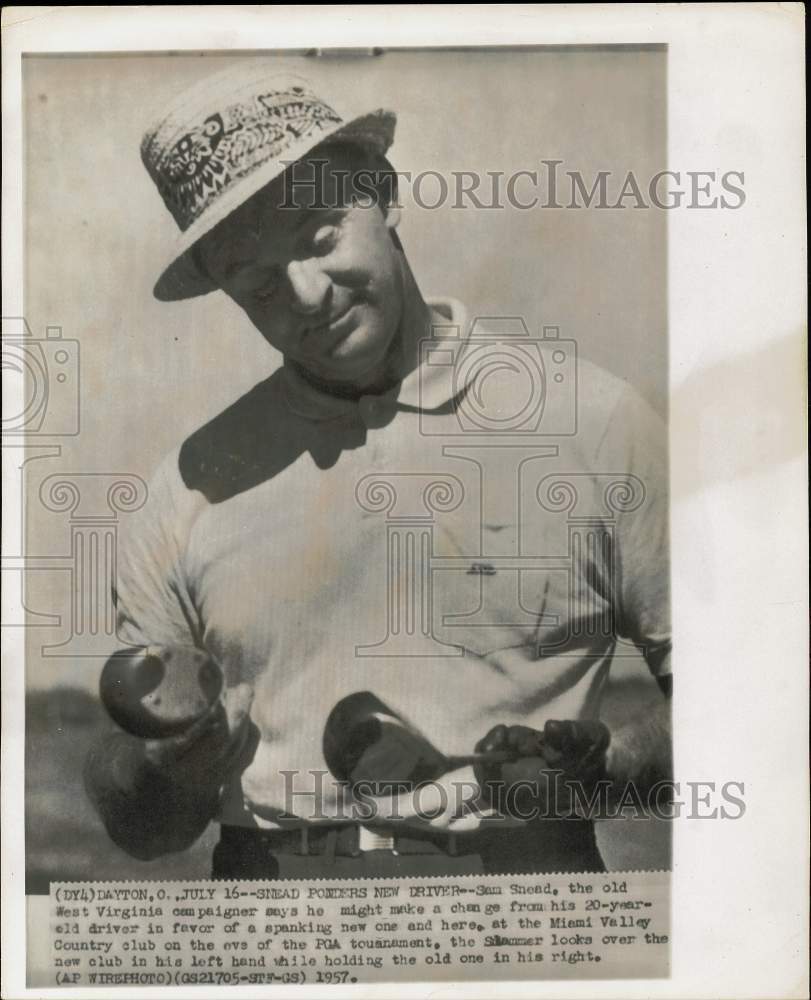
(335, 543)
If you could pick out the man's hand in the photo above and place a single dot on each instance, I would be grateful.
(157, 796)
(202, 757)
(538, 782)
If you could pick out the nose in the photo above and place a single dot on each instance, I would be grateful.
(310, 286)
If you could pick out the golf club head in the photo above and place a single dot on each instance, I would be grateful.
(156, 692)
(366, 742)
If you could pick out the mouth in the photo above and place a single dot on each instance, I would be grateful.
(329, 333)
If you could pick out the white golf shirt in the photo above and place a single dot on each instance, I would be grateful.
(474, 547)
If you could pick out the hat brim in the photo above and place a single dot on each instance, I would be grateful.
(182, 278)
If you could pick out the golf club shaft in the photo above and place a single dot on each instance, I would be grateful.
(486, 757)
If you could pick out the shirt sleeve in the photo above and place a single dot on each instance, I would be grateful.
(634, 446)
(153, 603)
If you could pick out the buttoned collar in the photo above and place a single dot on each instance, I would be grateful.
(427, 388)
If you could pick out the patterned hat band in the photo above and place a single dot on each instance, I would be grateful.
(226, 138)
(228, 144)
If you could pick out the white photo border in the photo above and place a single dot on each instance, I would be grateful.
(737, 302)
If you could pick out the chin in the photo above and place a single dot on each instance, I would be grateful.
(361, 353)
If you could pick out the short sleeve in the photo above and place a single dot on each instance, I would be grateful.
(634, 446)
(153, 604)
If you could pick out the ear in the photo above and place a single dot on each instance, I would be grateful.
(393, 216)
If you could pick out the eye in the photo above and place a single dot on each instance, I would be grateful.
(267, 291)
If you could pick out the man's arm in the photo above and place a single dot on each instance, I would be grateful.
(144, 812)
(157, 796)
(635, 442)
(640, 752)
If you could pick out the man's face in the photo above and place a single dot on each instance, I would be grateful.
(323, 285)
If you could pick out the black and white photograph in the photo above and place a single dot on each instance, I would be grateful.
(343, 452)
(424, 541)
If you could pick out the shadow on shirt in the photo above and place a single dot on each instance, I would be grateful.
(258, 437)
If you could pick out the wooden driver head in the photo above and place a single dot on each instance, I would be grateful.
(159, 691)
(367, 742)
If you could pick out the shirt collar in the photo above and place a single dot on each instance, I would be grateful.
(431, 386)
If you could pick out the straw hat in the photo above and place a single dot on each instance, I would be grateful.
(226, 138)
